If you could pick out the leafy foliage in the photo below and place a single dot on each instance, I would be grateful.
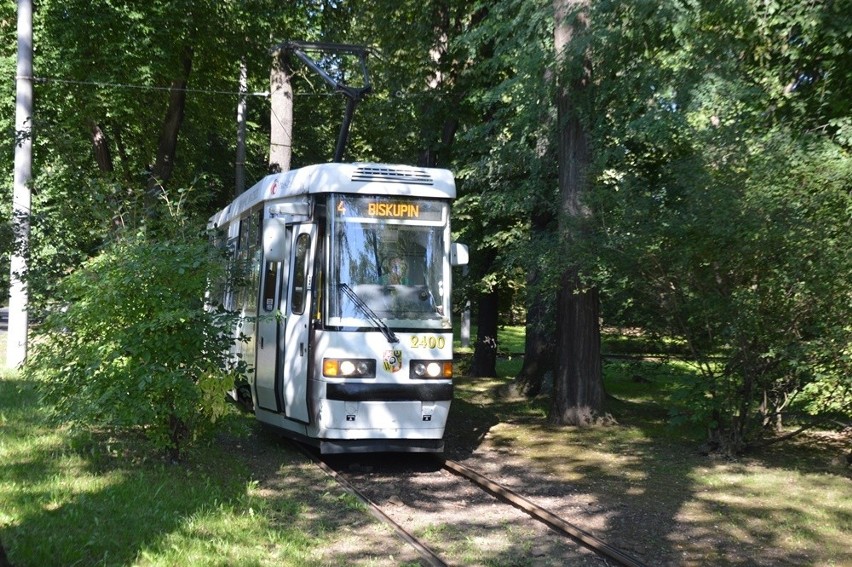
(128, 342)
(721, 135)
(721, 213)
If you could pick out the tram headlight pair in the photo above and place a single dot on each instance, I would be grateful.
(431, 369)
(349, 368)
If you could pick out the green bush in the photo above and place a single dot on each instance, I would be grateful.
(129, 342)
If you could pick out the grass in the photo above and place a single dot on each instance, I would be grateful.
(100, 498)
(97, 498)
(75, 498)
(788, 504)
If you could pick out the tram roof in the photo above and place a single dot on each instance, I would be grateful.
(357, 178)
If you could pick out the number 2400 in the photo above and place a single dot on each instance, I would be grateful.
(430, 341)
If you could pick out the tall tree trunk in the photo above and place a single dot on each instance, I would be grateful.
(485, 351)
(164, 165)
(539, 352)
(440, 157)
(281, 115)
(578, 393)
(103, 157)
(538, 346)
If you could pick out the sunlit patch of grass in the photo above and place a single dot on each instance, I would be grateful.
(433, 531)
(650, 393)
(87, 498)
(244, 533)
(488, 393)
(792, 502)
(649, 381)
(808, 515)
(347, 500)
(636, 342)
(510, 339)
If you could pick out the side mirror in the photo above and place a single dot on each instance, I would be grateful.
(274, 240)
(458, 254)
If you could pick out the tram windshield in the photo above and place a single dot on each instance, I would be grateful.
(390, 253)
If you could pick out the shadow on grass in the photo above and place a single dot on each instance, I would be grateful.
(100, 499)
(644, 486)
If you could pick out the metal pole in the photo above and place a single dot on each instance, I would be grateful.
(16, 351)
(465, 318)
(343, 136)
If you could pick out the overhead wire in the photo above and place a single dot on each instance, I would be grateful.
(259, 94)
(102, 84)
(236, 93)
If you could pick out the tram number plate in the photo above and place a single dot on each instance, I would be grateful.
(428, 341)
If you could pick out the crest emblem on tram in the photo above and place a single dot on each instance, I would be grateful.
(393, 360)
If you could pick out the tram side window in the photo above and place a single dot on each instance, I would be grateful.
(248, 263)
(253, 261)
(300, 274)
(269, 281)
(220, 292)
(240, 265)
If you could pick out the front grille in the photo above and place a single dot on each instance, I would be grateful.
(392, 175)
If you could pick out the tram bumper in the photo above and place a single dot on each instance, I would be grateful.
(340, 446)
(362, 417)
(361, 392)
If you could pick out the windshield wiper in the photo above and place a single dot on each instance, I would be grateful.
(371, 315)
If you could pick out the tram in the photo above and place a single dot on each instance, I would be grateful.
(346, 303)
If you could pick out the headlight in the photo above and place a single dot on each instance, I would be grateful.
(426, 369)
(348, 368)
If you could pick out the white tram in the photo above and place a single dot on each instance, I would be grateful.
(347, 308)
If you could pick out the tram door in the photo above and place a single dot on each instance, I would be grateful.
(297, 324)
(271, 310)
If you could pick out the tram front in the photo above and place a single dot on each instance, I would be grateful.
(384, 348)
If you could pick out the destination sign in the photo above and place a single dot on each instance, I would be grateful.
(390, 208)
(394, 210)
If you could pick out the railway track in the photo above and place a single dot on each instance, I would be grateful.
(607, 552)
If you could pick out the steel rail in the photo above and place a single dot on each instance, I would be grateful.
(428, 556)
(507, 495)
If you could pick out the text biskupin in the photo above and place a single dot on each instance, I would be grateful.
(396, 210)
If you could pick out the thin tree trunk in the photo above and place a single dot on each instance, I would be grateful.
(539, 352)
(485, 351)
(440, 156)
(103, 157)
(578, 394)
(538, 343)
(167, 144)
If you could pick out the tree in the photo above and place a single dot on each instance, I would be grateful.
(578, 393)
(127, 344)
(539, 343)
(133, 100)
(504, 152)
(718, 206)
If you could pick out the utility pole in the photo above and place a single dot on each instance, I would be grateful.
(281, 114)
(240, 169)
(16, 351)
(335, 80)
